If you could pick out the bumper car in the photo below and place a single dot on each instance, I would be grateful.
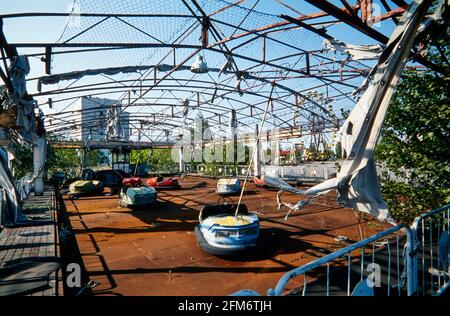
(134, 195)
(259, 182)
(228, 186)
(85, 187)
(220, 233)
(132, 182)
(160, 183)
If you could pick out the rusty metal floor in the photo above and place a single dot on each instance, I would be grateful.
(154, 252)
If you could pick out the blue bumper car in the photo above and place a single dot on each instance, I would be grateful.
(221, 233)
(228, 186)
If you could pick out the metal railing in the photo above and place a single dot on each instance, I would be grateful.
(417, 260)
(378, 245)
(432, 246)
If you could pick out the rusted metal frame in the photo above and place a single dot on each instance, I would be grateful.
(294, 92)
(125, 15)
(98, 94)
(249, 92)
(281, 58)
(224, 8)
(181, 37)
(94, 87)
(162, 121)
(90, 120)
(166, 120)
(292, 107)
(208, 22)
(205, 22)
(9, 52)
(391, 14)
(64, 119)
(308, 65)
(280, 42)
(138, 29)
(311, 53)
(366, 9)
(349, 19)
(225, 109)
(334, 74)
(258, 34)
(293, 70)
(326, 64)
(206, 93)
(362, 27)
(291, 91)
(101, 45)
(285, 68)
(321, 32)
(244, 43)
(95, 127)
(48, 60)
(289, 7)
(169, 73)
(388, 9)
(263, 59)
(72, 51)
(349, 8)
(244, 18)
(87, 29)
(274, 25)
(202, 87)
(213, 29)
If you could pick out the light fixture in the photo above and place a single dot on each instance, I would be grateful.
(199, 66)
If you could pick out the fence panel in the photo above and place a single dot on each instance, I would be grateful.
(432, 245)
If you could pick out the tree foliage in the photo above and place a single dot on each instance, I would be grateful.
(415, 145)
(158, 160)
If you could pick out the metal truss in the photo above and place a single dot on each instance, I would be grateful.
(142, 61)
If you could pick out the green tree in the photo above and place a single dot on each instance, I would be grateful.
(414, 145)
(158, 160)
(66, 160)
(23, 162)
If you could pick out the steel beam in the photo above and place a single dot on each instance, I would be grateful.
(349, 19)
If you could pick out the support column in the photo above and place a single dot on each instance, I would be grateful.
(181, 159)
(257, 155)
(276, 154)
(39, 164)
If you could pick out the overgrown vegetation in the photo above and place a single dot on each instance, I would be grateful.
(157, 160)
(67, 160)
(415, 145)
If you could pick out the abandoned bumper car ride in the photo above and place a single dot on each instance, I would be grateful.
(222, 233)
(134, 195)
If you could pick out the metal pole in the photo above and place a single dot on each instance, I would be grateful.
(39, 163)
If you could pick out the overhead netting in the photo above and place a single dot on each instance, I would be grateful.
(268, 58)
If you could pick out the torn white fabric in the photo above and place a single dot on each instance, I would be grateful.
(114, 128)
(19, 68)
(14, 202)
(357, 52)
